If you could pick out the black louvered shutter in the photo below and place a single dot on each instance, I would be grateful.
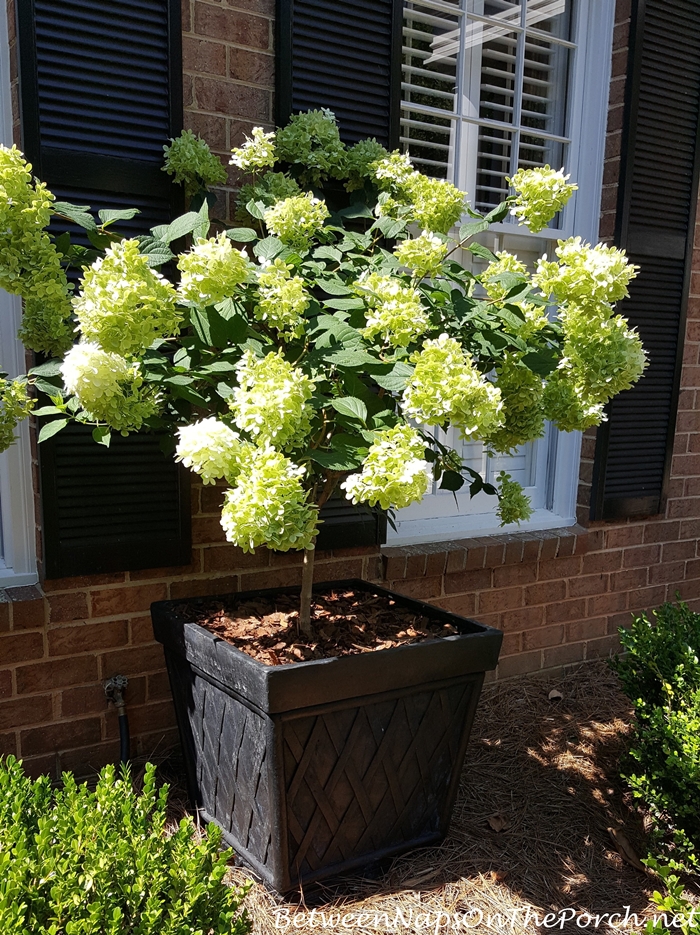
(101, 93)
(344, 55)
(655, 224)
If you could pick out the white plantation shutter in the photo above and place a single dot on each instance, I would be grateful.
(484, 89)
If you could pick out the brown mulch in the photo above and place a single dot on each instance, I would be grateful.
(343, 623)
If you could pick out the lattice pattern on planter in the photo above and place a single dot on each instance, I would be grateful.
(364, 778)
(229, 758)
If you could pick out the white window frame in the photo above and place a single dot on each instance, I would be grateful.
(18, 554)
(586, 128)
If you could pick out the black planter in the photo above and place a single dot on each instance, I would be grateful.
(319, 767)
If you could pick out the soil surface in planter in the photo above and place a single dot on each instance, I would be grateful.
(343, 623)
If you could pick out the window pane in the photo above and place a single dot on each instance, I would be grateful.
(493, 165)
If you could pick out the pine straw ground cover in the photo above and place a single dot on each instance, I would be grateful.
(542, 770)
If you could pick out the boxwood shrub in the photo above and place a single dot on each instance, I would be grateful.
(76, 861)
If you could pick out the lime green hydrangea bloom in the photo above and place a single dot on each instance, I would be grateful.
(271, 400)
(211, 449)
(109, 388)
(124, 304)
(15, 405)
(437, 204)
(393, 171)
(394, 473)
(269, 189)
(394, 310)
(212, 270)
(30, 265)
(257, 152)
(602, 356)
(191, 162)
(541, 193)
(268, 506)
(506, 263)
(447, 388)
(565, 405)
(311, 141)
(283, 299)
(424, 255)
(586, 275)
(523, 408)
(360, 161)
(513, 505)
(296, 220)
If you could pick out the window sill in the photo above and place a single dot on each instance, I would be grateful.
(457, 555)
(13, 579)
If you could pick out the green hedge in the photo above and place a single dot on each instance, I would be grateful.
(80, 862)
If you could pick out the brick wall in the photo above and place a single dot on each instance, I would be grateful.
(559, 597)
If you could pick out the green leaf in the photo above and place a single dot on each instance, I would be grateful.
(47, 411)
(102, 435)
(542, 362)
(224, 390)
(344, 304)
(350, 358)
(350, 406)
(498, 213)
(157, 251)
(268, 248)
(328, 253)
(334, 286)
(341, 460)
(471, 228)
(99, 240)
(201, 229)
(218, 329)
(395, 381)
(110, 215)
(241, 234)
(358, 210)
(256, 209)
(51, 368)
(45, 387)
(390, 227)
(481, 251)
(181, 226)
(451, 480)
(78, 214)
(52, 428)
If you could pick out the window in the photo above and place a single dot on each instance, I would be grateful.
(17, 553)
(490, 86)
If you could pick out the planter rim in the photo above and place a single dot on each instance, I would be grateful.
(292, 686)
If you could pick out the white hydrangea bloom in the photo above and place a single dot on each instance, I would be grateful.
(211, 449)
(394, 310)
(256, 153)
(212, 270)
(424, 254)
(541, 193)
(585, 275)
(394, 473)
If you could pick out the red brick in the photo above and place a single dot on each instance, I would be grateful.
(65, 607)
(338, 570)
(673, 572)
(204, 57)
(221, 97)
(62, 736)
(158, 686)
(646, 598)
(476, 558)
(186, 24)
(590, 541)
(476, 580)
(692, 569)
(584, 585)
(543, 636)
(251, 67)
(512, 643)
(521, 664)
(133, 661)
(87, 699)
(86, 761)
(687, 506)
(421, 588)
(415, 565)
(456, 560)
(81, 582)
(567, 545)
(629, 580)
(562, 655)
(560, 568)
(463, 604)
(500, 600)
(212, 129)
(579, 630)
(531, 550)
(231, 26)
(690, 529)
(155, 743)
(566, 610)
(120, 601)
(545, 593)
(605, 646)
(4, 613)
(202, 587)
(622, 536)
(605, 604)
(229, 558)
(495, 554)
(22, 711)
(640, 556)
(212, 498)
(8, 745)
(509, 575)
(662, 531)
(149, 717)
(66, 641)
(206, 529)
(19, 647)
(677, 551)
(523, 618)
(28, 615)
(596, 562)
(688, 589)
(57, 673)
(46, 765)
(435, 563)
(5, 683)
(282, 578)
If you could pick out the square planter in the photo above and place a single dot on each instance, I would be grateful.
(316, 768)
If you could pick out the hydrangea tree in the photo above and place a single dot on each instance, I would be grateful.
(322, 344)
